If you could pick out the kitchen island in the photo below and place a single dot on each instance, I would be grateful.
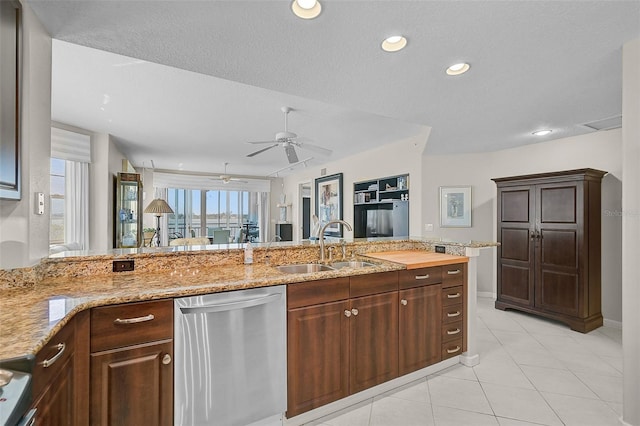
(33, 313)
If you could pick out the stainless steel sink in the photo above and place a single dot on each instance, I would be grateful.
(304, 268)
(352, 264)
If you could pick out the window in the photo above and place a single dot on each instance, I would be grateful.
(56, 204)
(200, 212)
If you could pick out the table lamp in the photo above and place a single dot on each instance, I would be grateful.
(157, 207)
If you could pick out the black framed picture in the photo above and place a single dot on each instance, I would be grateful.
(329, 202)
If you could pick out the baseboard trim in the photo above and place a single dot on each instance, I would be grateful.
(364, 395)
(612, 324)
(488, 294)
(622, 422)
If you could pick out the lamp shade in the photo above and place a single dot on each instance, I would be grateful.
(158, 206)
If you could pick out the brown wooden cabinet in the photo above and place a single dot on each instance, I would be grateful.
(132, 364)
(342, 338)
(549, 257)
(53, 379)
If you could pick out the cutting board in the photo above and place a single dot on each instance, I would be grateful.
(414, 259)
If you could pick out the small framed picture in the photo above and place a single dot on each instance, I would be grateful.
(329, 202)
(455, 206)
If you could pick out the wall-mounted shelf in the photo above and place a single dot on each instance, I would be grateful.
(381, 207)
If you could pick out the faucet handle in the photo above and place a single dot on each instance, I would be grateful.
(330, 249)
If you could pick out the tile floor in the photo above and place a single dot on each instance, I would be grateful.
(531, 372)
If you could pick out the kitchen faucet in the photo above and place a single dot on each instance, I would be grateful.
(266, 252)
(321, 236)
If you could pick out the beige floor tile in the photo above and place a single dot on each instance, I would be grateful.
(357, 415)
(395, 411)
(576, 411)
(520, 404)
(608, 388)
(557, 381)
(457, 393)
(445, 416)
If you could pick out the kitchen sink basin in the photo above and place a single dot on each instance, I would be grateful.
(304, 268)
(351, 264)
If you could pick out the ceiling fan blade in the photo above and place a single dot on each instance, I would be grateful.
(260, 142)
(262, 150)
(315, 148)
(239, 180)
(291, 153)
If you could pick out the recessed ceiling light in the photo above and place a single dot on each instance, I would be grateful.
(394, 43)
(542, 132)
(457, 69)
(306, 9)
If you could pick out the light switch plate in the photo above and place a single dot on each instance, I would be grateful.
(39, 203)
(428, 227)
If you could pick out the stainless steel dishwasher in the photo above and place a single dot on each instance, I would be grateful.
(230, 358)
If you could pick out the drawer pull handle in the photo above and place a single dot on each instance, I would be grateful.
(453, 296)
(403, 302)
(422, 277)
(49, 362)
(146, 318)
(454, 350)
(166, 359)
(453, 314)
(452, 332)
(354, 311)
(453, 272)
(347, 313)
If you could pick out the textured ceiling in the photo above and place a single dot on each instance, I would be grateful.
(553, 64)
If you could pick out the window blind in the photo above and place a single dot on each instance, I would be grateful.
(70, 146)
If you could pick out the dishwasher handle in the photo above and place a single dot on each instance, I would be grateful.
(238, 304)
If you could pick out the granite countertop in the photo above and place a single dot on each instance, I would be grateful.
(31, 315)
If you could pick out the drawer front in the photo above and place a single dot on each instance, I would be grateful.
(452, 313)
(52, 357)
(452, 295)
(365, 285)
(317, 292)
(453, 275)
(419, 277)
(129, 324)
(452, 331)
(452, 348)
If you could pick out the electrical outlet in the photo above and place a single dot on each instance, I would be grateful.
(440, 249)
(428, 227)
(123, 265)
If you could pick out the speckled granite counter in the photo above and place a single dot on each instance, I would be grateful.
(33, 308)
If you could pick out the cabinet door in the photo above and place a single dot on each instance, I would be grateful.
(516, 227)
(420, 328)
(317, 356)
(133, 385)
(373, 333)
(558, 246)
(55, 406)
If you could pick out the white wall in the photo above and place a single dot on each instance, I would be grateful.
(24, 236)
(600, 150)
(631, 230)
(395, 158)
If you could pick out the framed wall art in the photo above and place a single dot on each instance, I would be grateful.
(329, 202)
(455, 206)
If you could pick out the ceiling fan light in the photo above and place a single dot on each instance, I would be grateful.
(394, 43)
(306, 9)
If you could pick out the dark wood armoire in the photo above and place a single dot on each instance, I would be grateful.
(549, 253)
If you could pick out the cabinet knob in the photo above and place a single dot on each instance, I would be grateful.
(166, 359)
(347, 313)
(354, 311)
(403, 302)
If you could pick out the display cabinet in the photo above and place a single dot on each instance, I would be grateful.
(128, 211)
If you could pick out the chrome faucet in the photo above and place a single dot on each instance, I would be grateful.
(321, 236)
(266, 252)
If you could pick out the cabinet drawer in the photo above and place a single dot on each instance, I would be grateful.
(453, 275)
(419, 277)
(365, 285)
(452, 295)
(52, 357)
(129, 324)
(452, 331)
(452, 348)
(452, 313)
(317, 292)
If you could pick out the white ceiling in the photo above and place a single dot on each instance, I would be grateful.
(551, 64)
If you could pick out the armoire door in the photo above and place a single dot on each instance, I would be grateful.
(516, 225)
(559, 236)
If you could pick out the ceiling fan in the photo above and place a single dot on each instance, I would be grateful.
(225, 178)
(289, 140)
